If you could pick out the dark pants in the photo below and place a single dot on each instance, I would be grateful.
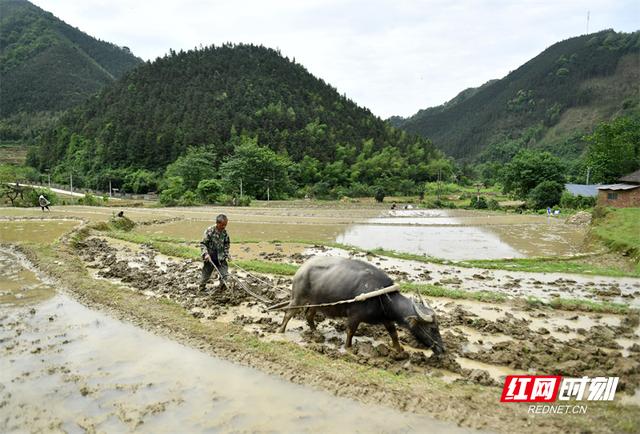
(208, 269)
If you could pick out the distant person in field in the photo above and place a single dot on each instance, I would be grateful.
(215, 251)
(44, 203)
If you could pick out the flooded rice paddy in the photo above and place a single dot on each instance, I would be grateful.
(34, 231)
(460, 235)
(455, 235)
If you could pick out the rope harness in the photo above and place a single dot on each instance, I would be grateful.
(283, 305)
(361, 297)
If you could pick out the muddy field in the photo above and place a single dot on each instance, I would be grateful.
(484, 341)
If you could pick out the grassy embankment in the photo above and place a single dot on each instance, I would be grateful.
(181, 248)
(619, 230)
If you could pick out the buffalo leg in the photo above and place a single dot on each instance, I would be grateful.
(352, 326)
(287, 316)
(310, 315)
(391, 328)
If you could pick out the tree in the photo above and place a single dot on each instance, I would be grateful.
(440, 169)
(172, 191)
(545, 194)
(260, 169)
(528, 169)
(379, 194)
(140, 181)
(614, 149)
(209, 190)
(195, 165)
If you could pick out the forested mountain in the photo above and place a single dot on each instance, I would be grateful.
(549, 102)
(47, 66)
(208, 98)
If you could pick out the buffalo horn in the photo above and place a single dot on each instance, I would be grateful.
(424, 316)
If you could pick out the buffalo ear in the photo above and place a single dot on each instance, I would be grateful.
(412, 321)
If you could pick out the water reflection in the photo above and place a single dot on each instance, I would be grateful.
(456, 242)
(460, 234)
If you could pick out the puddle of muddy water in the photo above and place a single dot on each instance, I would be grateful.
(64, 367)
(35, 231)
(18, 284)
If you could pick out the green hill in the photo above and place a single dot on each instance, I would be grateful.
(549, 102)
(47, 66)
(204, 98)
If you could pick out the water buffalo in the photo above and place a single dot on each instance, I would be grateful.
(329, 279)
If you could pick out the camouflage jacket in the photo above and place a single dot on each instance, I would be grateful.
(217, 242)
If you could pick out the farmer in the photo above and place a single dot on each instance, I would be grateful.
(215, 250)
(44, 203)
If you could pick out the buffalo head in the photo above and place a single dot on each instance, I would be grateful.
(424, 326)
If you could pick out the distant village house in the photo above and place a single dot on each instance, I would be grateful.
(586, 190)
(626, 194)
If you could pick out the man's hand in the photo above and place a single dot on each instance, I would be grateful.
(206, 257)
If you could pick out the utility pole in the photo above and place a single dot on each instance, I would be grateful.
(48, 177)
(240, 190)
(267, 180)
(71, 182)
(588, 13)
(110, 188)
(588, 173)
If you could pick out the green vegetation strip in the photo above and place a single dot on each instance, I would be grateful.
(497, 297)
(441, 291)
(548, 265)
(588, 305)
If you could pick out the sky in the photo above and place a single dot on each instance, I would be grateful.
(394, 57)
